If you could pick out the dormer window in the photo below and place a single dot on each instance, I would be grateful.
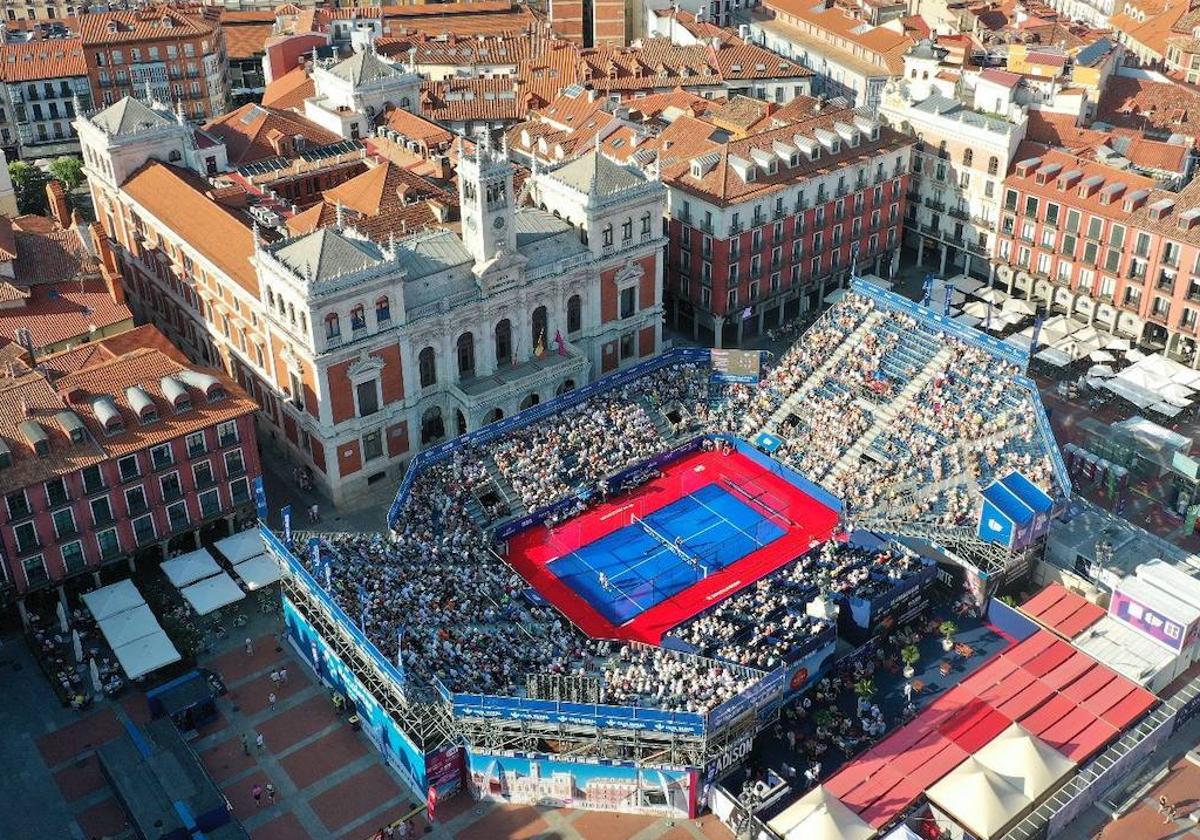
(143, 406)
(108, 415)
(72, 425)
(35, 435)
(5, 455)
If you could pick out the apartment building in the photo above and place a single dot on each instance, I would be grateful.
(1104, 245)
(174, 55)
(848, 56)
(762, 227)
(114, 453)
(961, 156)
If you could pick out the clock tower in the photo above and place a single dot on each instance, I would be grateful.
(485, 194)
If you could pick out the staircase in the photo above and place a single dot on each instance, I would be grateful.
(795, 401)
(887, 414)
(503, 488)
(657, 418)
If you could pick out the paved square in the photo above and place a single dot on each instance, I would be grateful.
(355, 797)
(89, 733)
(322, 757)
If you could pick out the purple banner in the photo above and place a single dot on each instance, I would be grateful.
(1147, 621)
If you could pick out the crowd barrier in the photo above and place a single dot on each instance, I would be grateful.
(680, 355)
(786, 473)
(1061, 474)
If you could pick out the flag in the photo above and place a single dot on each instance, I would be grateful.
(987, 324)
(927, 291)
(539, 349)
(362, 607)
(1037, 334)
(949, 289)
(562, 345)
(400, 652)
(286, 513)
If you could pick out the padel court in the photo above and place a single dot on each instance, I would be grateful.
(638, 564)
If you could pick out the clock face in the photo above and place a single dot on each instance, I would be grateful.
(498, 222)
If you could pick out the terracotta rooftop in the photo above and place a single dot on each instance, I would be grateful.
(42, 59)
(1060, 130)
(47, 252)
(1162, 108)
(246, 40)
(253, 133)
(417, 128)
(289, 91)
(178, 199)
(149, 23)
(62, 311)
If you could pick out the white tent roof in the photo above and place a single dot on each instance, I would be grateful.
(112, 599)
(212, 593)
(241, 546)
(1016, 306)
(1171, 580)
(1127, 651)
(128, 626)
(978, 309)
(994, 295)
(1051, 356)
(146, 654)
(966, 283)
(189, 568)
(980, 800)
(258, 572)
(819, 815)
(1028, 761)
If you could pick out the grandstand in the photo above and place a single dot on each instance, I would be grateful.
(436, 616)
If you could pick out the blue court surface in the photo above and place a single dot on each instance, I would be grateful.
(643, 562)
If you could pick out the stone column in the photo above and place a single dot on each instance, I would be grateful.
(718, 329)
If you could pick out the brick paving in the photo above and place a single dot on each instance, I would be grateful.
(330, 780)
(1182, 788)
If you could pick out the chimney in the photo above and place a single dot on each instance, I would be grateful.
(109, 270)
(442, 169)
(56, 198)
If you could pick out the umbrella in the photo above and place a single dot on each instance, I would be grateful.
(1101, 356)
(966, 284)
(1117, 344)
(1019, 307)
(1100, 371)
(976, 309)
(78, 645)
(62, 618)
(97, 686)
(994, 295)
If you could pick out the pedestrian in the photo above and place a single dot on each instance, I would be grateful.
(249, 646)
(256, 792)
(275, 677)
(271, 700)
(283, 675)
(260, 742)
(1166, 808)
(270, 793)
(404, 832)
(245, 744)
(389, 832)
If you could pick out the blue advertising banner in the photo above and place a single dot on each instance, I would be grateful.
(766, 691)
(286, 513)
(395, 746)
(583, 714)
(787, 473)
(260, 499)
(680, 355)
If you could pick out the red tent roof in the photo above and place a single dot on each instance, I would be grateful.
(1057, 692)
(1062, 611)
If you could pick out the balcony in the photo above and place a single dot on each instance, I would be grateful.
(959, 213)
(913, 195)
(707, 226)
(977, 249)
(939, 206)
(735, 228)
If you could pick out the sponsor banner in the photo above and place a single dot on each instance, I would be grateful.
(766, 691)
(1147, 621)
(260, 499)
(445, 768)
(397, 749)
(592, 784)
(680, 355)
(581, 714)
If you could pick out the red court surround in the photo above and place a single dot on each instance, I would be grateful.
(531, 550)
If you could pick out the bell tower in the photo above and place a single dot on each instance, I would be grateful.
(485, 194)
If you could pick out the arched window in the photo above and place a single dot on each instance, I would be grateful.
(460, 421)
(646, 222)
(530, 401)
(968, 157)
(427, 366)
(993, 165)
(608, 234)
(333, 326)
(466, 355)
(383, 310)
(574, 314)
(538, 332)
(432, 426)
(358, 318)
(504, 348)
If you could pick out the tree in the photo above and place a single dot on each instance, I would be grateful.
(29, 183)
(68, 171)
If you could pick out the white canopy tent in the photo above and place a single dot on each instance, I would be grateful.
(129, 626)
(112, 599)
(819, 815)
(241, 546)
(257, 572)
(188, 568)
(1115, 343)
(1016, 306)
(979, 309)
(146, 654)
(966, 283)
(978, 798)
(996, 296)
(1053, 356)
(1025, 760)
(212, 593)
